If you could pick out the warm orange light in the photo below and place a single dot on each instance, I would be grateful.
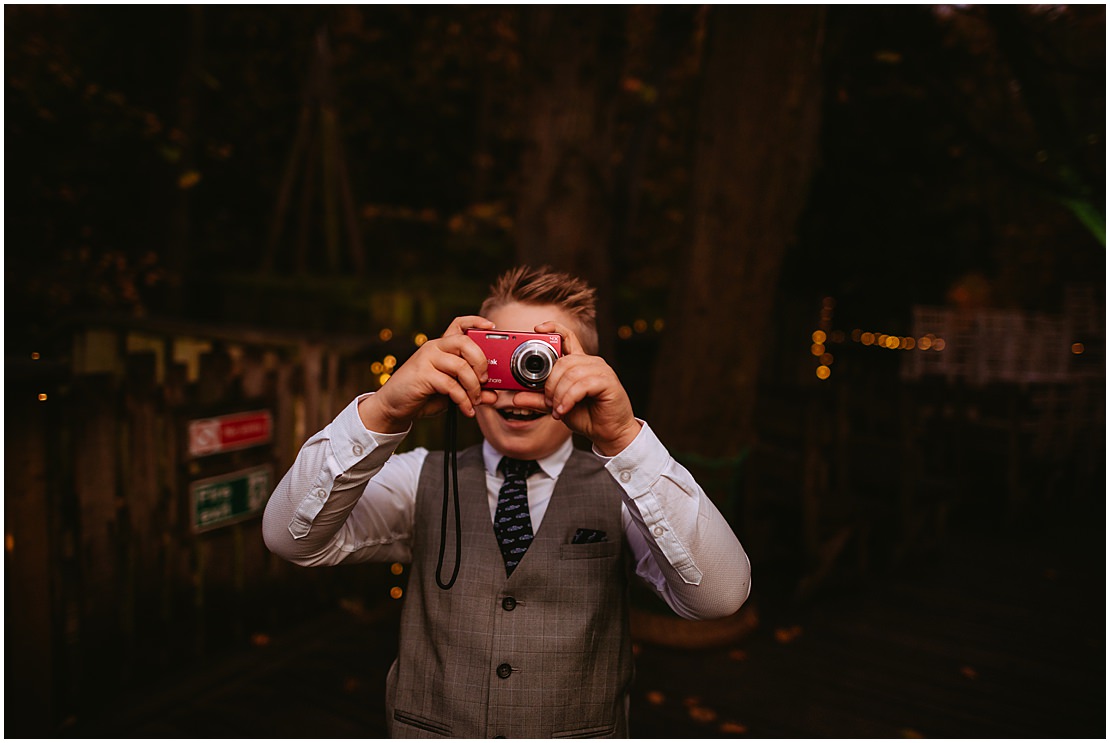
(816, 349)
(828, 303)
(385, 334)
(893, 341)
(42, 397)
(383, 378)
(658, 325)
(377, 368)
(420, 339)
(396, 592)
(910, 343)
(856, 335)
(925, 343)
(396, 568)
(1077, 348)
(640, 325)
(389, 362)
(624, 331)
(826, 358)
(35, 355)
(938, 344)
(818, 336)
(823, 372)
(867, 339)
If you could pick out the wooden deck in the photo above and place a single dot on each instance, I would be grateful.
(998, 635)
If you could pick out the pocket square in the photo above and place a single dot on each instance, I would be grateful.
(588, 536)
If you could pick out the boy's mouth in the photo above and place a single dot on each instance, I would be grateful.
(519, 414)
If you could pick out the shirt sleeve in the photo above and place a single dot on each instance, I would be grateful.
(682, 545)
(347, 497)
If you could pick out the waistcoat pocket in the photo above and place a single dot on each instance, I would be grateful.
(598, 731)
(421, 723)
(589, 551)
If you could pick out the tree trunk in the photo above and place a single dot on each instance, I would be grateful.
(756, 149)
(573, 61)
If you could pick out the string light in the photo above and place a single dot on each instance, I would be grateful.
(42, 397)
(396, 592)
(420, 339)
(396, 568)
(385, 334)
(34, 355)
(1077, 348)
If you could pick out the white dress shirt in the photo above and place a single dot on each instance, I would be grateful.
(349, 498)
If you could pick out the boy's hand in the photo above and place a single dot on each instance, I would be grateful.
(584, 392)
(449, 368)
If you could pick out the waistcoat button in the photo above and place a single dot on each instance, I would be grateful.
(508, 603)
(504, 670)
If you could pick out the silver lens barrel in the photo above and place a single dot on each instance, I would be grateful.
(532, 361)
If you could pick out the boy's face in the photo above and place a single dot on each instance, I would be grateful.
(527, 434)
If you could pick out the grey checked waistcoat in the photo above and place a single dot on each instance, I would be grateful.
(543, 653)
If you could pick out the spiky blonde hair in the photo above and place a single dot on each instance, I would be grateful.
(544, 285)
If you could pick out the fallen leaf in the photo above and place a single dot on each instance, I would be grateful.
(788, 634)
(188, 179)
(703, 714)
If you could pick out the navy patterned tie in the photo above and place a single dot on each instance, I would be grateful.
(511, 522)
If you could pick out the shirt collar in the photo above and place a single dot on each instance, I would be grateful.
(551, 465)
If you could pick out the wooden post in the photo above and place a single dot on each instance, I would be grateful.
(28, 568)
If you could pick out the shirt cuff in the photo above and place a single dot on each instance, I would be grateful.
(355, 447)
(640, 464)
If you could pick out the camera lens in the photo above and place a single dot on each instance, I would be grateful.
(531, 363)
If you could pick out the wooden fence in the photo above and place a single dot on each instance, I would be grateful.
(115, 575)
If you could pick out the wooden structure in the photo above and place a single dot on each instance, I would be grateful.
(111, 580)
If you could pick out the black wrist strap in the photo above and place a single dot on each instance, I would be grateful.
(450, 480)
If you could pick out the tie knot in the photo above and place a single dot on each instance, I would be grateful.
(518, 468)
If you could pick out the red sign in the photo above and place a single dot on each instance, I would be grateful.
(230, 432)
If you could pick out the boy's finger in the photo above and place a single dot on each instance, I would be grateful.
(570, 340)
(459, 325)
(531, 400)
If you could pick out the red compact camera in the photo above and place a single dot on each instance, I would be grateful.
(517, 360)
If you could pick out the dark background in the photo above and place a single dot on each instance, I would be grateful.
(732, 179)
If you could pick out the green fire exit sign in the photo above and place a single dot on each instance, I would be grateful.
(226, 499)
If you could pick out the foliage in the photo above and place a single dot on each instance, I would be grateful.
(146, 145)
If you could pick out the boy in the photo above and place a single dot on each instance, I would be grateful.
(532, 639)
